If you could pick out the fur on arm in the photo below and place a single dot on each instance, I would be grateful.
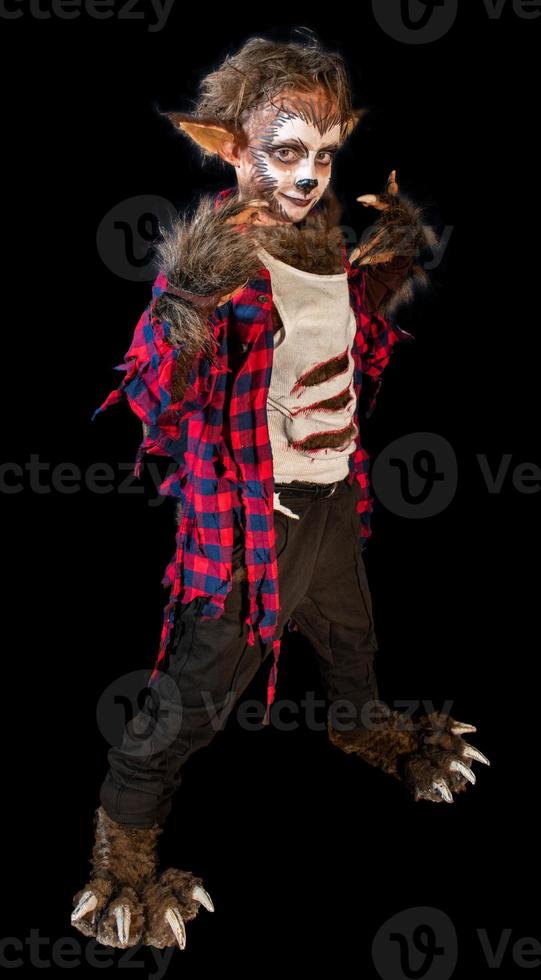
(204, 259)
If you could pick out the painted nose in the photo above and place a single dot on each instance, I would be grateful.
(306, 185)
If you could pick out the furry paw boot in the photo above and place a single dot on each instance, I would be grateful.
(428, 756)
(126, 902)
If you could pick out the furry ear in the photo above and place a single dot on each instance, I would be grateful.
(209, 133)
(354, 120)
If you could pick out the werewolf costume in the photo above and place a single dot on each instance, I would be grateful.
(246, 369)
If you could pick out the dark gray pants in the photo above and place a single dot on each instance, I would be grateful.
(208, 665)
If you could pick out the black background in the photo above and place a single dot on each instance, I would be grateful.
(306, 852)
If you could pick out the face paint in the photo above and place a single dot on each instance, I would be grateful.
(288, 159)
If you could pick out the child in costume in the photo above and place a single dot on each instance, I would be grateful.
(246, 370)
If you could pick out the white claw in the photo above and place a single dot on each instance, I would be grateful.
(464, 769)
(460, 728)
(123, 919)
(441, 787)
(203, 896)
(87, 902)
(174, 919)
(470, 752)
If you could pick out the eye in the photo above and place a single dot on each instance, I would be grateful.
(324, 157)
(285, 154)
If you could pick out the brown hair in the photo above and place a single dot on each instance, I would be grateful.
(262, 68)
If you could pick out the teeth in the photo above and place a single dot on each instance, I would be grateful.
(86, 903)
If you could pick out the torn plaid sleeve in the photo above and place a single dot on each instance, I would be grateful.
(379, 334)
(149, 366)
(381, 337)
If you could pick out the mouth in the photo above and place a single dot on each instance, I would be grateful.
(300, 202)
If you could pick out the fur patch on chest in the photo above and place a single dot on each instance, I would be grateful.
(312, 245)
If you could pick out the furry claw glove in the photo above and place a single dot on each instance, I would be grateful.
(428, 755)
(205, 259)
(390, 251)
(125, 901)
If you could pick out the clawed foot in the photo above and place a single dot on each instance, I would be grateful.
(155, 916)
(443, 763)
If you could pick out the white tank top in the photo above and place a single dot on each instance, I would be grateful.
(318, 326)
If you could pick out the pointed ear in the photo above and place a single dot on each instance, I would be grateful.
(354, 120)
(209, 133)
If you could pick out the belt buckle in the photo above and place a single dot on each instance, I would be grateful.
(330, 493)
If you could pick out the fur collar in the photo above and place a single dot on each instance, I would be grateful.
(312, 245)
(315, 244)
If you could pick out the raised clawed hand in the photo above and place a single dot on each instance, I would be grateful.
(367, 253)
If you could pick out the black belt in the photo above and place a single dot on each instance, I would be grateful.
(297, 486)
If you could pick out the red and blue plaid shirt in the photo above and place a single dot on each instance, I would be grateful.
(223, 452)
